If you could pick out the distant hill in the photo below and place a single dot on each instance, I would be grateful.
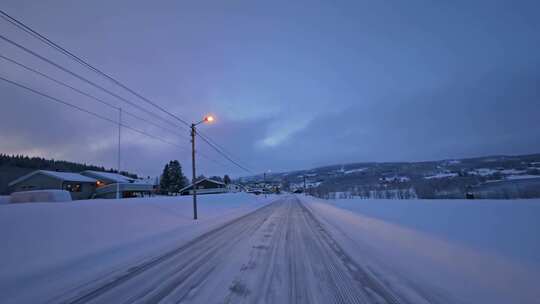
(487, 177)
(15, 166)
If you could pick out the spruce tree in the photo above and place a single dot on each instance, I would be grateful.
(176, 177)
(165, 182)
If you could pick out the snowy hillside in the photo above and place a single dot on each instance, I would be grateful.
(484, 177)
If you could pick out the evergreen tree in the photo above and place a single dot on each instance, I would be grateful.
(165, 182)
(226, 179)
(177, 180)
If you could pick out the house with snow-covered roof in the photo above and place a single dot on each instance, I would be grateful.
(84, 185)
(108, 183)
(108, 177)
(78, 185)
(205, 186)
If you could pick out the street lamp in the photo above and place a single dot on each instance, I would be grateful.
(265, 189)
(206, 119)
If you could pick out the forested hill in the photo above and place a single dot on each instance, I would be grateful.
(14, 166)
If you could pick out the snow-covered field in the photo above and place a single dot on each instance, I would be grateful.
(475, 251)
(505, 227)
(46, 245)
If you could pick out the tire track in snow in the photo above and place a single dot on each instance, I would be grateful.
(304, 264)
(279, 253)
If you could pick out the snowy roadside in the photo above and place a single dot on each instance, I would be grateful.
(506, 227)
(48, 246)
(457, 273)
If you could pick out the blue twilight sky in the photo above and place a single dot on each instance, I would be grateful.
(293, 84)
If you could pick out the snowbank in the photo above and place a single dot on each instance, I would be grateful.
(4, 199)
(34, 196)
(47, 246)
(408, 241)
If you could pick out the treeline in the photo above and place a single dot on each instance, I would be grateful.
(39, 163)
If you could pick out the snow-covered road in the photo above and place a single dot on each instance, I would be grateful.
(279, 253)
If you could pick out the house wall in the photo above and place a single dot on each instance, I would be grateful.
(206, 187)
(44, 182)
(87, 190)
(106, 181)
(209, 185)
(206, 191)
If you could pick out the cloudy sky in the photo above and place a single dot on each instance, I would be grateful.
(293, 84)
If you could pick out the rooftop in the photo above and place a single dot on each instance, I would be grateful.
(118, 178)
(65, 176)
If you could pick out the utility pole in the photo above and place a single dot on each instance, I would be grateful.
(119, 136)
(207, 119)
(305, 189)
(193, 169)
(264, 187)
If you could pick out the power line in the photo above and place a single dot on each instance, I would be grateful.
(47, 41)
(86, 94)
(115, 95)
(81, 61)
(215, 143)
(213, 160)
(221, 150)
(89, 112)
(225, 155)
(83, 79)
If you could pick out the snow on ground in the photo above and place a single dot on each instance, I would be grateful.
(484, 171)
(508, 227)
(4, 199)
(46, 245)
(355, 170)
(526, 176)
(453, 162)
(441, 175)
(512, 171)
(479, 251)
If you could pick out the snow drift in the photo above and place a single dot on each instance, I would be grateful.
(48, 246)
(37, 196)
(407, 240)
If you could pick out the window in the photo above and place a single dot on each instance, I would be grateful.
(72, 187)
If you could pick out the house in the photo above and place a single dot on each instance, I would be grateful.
(126, 190)
(205, 186)
(108, 183)
(78, 185)
(235, 188)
